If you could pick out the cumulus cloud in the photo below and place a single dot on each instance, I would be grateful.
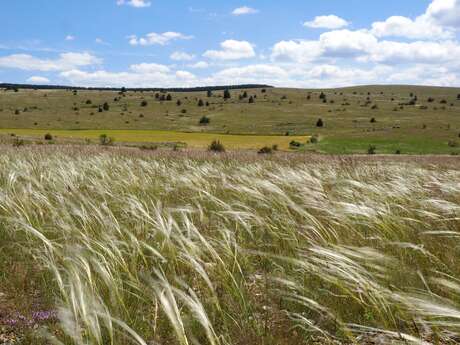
(181, 56)
(134, 3)
(232, 50)
(154, 38)
(445, 12)
(244, 10)
(70, 38)
(66, 61)
(38, 80)
(327, 22)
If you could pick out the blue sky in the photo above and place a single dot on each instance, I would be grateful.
(140, 43)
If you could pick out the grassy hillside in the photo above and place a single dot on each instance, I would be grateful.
(407, 118)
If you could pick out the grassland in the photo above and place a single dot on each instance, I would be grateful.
(131, 247)
(409, 119)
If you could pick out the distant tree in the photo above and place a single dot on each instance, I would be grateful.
(373, 120)
(209, 93)
(183, 111)
(443, 101)
(430, 100)
(100, 109)
(157, 95)
(104, 140)
(169, 97)
(204, 120)
(48, 136)
(458, 97)
(200, 103)
(178, 103)
(245, 94)
(371, 150)
(264, 90)
(123, 89)
(144, 103)
(106, 106)
(216, 146)
(308, 97)
(88, 101)
(251, 100)
(320, 123)
(322, 95)
(227, 94)
(207, 103)
(16, 112)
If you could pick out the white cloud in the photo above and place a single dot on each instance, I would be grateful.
(327, 22)
(244, 10)
(420, 28)
(181, 56)
(445, 12)
(70, 38)
(156, 38)
(199, 65)
(38, 80)
(66, 61)
(232, 50)
(298, 51)
(134, 3)
(149, 68)
(185, 75)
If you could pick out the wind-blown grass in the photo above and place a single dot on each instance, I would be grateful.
(159, 250)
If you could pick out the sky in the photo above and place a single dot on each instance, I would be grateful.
(180, 43)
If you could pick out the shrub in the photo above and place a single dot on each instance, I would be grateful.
(458, 96)
(375, 106)
(88, 101)
(169, 97)
(320, 123)
(216, 146)
(204, 120)
(200, 103)
(453, 143)
(104, 140)
(178, 103)
(371, 150)
(209, 93)
(48, 136)
(430, 100)
(322, 96)
(106, 106)
(295, 144)
(314, 139)
(373, 120)
(227, 94)
(265, 150)
(17, 142)
(263, 91)
(144, 103)
(16, 112)
(251, 100)
(183, 111)
(275, 147)
(443, 101)
(398, 152)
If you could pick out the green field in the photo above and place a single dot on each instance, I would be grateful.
(428, 124)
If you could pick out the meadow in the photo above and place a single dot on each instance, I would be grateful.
(121, 246)
(403, 119)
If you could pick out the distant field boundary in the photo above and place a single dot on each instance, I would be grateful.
(192, 139)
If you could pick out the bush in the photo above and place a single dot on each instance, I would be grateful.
(17, 112)
(398, 152)
(322, 96)
(227, 94)
(88, 101)
(373, 120)
(295, 144)
(430, 100)
(371, 150)
(200, 103)
(178, 103)
(458, 97)
(320, 123)
(183, 111)
(17, 142)
(216, 146)
(375, 106)
(48, 136)
(106, 106)
(265, 150)
(104, 140)
(169, 97)
(453, 143)
(144, 103)
(251, 100)
(204, 120)
(314, 139)
(209, 93)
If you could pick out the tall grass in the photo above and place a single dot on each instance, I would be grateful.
(157, 250)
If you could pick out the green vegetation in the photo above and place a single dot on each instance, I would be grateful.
(408, 117)
(104, 247)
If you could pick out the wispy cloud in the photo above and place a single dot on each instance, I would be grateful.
(134, 3)
(244, 10)
(154, 38)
